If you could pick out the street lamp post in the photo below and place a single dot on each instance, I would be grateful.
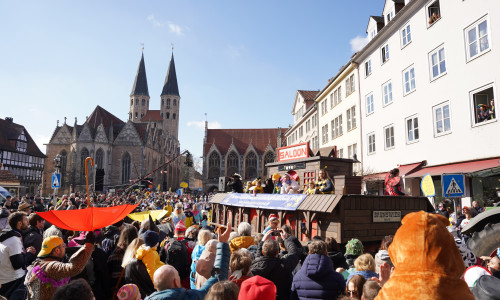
(57, 160)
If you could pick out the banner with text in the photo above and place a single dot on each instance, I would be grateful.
(266, 201)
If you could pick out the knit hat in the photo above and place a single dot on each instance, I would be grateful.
(272, 217)
(129, 292)
(354, 247)
(151, 238)
(49, 244)
(473, 273)
(257, 287)
(180, 226)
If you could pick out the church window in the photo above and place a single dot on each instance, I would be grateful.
(173, 116)
(168, 115)
(136, 114)
(268, 158)
(214, 165)
(99, 159)
(136, 102)
(131, 102)
(142, 115)
(175, 102)
(125, 168)
(232, 164)
(143, 102)
(168, 103)
(83, 155)
(251, 166)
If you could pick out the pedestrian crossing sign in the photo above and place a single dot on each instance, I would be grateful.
(453, 185)
(56, 181)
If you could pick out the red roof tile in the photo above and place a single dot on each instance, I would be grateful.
(308, 95)
(152, 116)
(242, 138)
(7, 176)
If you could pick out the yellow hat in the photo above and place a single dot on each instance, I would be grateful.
(276, 176)
(49, 244)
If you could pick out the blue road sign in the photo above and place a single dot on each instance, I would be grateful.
(453, 185)
(56, 181)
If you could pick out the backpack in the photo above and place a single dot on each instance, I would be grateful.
(178, 257)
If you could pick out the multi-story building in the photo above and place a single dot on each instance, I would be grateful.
(338, 111)
(122, 151)
(305, 120)
(20, 155)
(427, 87)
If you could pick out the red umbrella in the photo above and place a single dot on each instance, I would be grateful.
(87, 219)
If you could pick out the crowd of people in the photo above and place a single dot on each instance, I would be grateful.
(182, 255)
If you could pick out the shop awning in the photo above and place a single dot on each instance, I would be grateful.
(403, 170)
(469, 167)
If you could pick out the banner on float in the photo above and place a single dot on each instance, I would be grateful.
(265, 201)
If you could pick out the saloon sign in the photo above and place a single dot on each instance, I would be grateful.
(293, 152)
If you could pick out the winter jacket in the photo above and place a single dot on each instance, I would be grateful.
(33, 237)
(276, 269)
(56, 270)
(221, 263)
(150, 258)
(338, 260)
(317, 279)
(241, 242)
(366, 274)
(197, 251)
(136, 273)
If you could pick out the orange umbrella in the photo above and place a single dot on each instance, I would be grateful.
(87, 219)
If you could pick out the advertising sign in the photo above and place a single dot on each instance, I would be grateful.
(427, 186)
(293, 152)
(268, 201)
(386, 216)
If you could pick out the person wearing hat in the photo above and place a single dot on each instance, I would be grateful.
(189, 219)
(129, 292)
(178, 214)
(289, 185)
(277, 183)
(273, 223)
(147, 252)
(48, 272)
(257, 287)
(26, 207)
(235, 184)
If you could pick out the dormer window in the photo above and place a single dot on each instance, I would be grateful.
(433, 12)
(21, 143)
(390, 16)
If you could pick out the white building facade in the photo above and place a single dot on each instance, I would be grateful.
(305, 116)
(423, 77)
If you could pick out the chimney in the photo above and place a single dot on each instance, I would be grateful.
(9, 120)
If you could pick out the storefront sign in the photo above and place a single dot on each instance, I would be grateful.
(386, 216)
(297, 166)
(293, 152)
(266, 201)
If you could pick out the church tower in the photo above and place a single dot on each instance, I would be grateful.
(170, 101)
(139, 97)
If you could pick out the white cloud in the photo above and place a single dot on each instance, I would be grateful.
(201, 124)
(175, 28)
(151, 18)
(358, 43)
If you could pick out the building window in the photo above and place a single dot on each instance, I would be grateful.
(351, 150)
(168, 115)
(162, 102)
(324, 134)
(168, 102)
(337, 127)
(337, 96)
(340, 153)
(324, 108)
(174, 116)
(331, 101)
(406, 35)
(125, 168)
(390, 16)
(136, 102)
(21, 143)
(433, 12)
(99, 159)
(373, 33)
(214, 166)
(437, 62)
(477, 38)
(483, 104)
(83, 155)
(371, 143)
(268, 158)
(136, 115)
(143, 102)
(409, 80)
(232, 163)
(369, 104)
(351, 118)
(368, 68)
(389, 137)
(412, 134)
(132, 102)
(308, 126)
(384, 51)
(349, 85)
(387, 92)
(301, 131)
(175, 102)
(251, 166)
(442, 119)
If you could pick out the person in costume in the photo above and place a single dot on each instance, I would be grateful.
(325, 183)
(189, 215)
(311, 190)
(249, 187)
(196, 214)
(289, 185)
(277, 183)
(147, 252)
(178, 214)
(168, 208)
(235, 184)
(393, 183)
(273, 223)
(258, 189)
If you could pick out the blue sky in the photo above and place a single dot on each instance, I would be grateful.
(240, 62)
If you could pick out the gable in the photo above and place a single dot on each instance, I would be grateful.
(63, 136)
(85, 135)
(128, 136)
(100, 136)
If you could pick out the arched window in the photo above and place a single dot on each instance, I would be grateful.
(136, 102)
(251, 166)
(175, 102)
(173, 116)
(214, 165)
(99, 159)
(162, 102)
(168, 115)
(268, 158)
(83, 155)
(232, 164)
(125, 168)
(63, 163)
(168, 103)
(131, 102)
(143, 102)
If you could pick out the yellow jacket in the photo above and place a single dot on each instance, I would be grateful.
(150, 258)
(241, 242)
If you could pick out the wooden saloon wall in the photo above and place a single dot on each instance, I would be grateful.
(339, 216)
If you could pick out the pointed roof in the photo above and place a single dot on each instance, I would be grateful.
(141, 82)
(100, 115)
(170, 86)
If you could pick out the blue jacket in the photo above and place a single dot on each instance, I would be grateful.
(221, 263)
(197, 251)
(317, 279)
(366, 274)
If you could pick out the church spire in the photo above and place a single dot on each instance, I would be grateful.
(140, 86)
(170, 86)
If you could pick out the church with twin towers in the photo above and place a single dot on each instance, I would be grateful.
(122, 150)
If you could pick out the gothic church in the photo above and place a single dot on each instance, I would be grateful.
(122, 151)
